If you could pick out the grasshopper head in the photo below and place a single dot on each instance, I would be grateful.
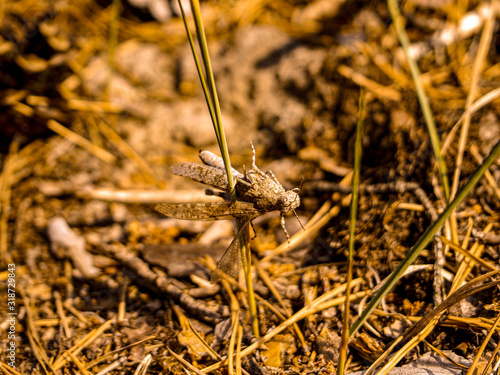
(288, 201)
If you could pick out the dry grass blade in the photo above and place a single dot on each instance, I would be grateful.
(75, 312)
(8, 370)
(478, 104)
(14, 169)
(492, 358)
(80, 141)
(377, 89)
(419, 331)
(268, 282)
(230, 353)
(96, 107)
(207, 347)
(128, 151)
(473, 91)
(142, 368)
(319, 304)
(472, 369)
(448, 358)
(239, 338)
(468, 254)
(33, 337)
(466, 265)
(186, 364)
(78, 364)
(62, 315)
(82, 344)
(427, 236)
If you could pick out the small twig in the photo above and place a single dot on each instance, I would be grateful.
(113, 366)
(142, 369)
(62, 315)
(268, 282)
(78, 364)
(80, 141)
(319, 304)
(489, 238)
(185, 363)
(390, 187)
(35, 344)
(162, 284)
(127, 150)
(123, 301)
(82, 344)
(103, 357)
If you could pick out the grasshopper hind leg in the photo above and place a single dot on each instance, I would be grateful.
(254, 158)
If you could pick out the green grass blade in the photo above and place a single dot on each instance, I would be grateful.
(209, 89)
(199, 69)
(219, 129)
(398, 21)
(427, 237)
(352, 229)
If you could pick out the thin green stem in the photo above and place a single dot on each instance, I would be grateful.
(252, 305)
(399, 24)
(352, 229)
(427, 237)
(199, 70)
(210, 91)
(219, 129)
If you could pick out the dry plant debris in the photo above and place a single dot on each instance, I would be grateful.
(101, 284)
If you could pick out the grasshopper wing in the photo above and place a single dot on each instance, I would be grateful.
(210, 211)
(230, 263)
(202, 173)
(216, 178)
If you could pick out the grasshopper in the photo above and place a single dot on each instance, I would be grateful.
(257, 193)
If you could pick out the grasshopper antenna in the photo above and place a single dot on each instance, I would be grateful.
(295, 213)
(297, 216)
